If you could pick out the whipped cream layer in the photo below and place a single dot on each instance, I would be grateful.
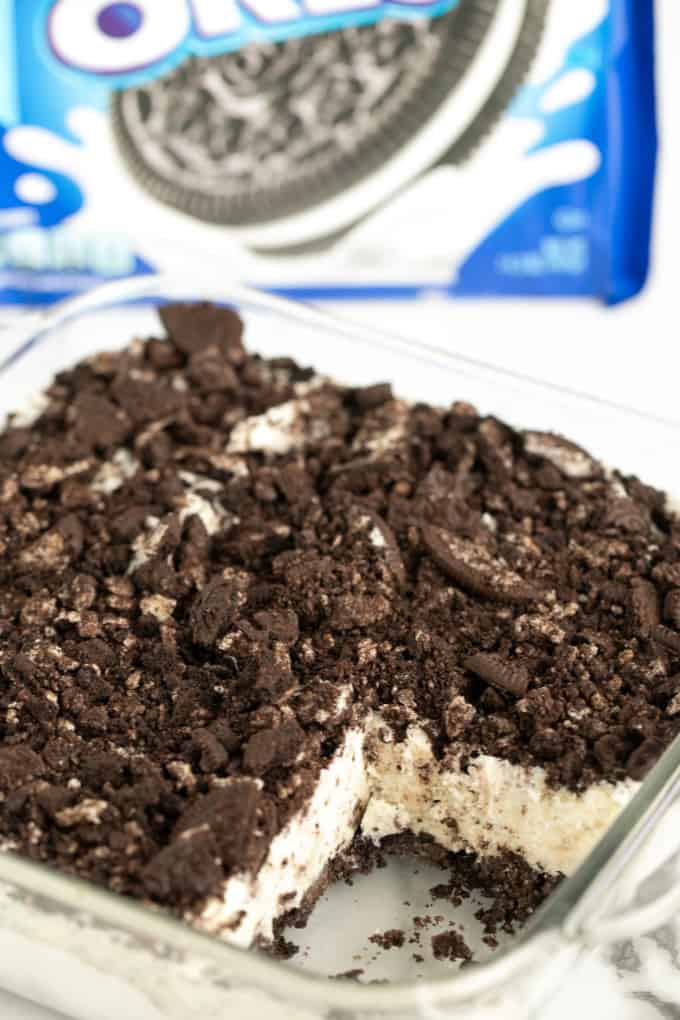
(298, 856)
(379, 787)
(487, 807)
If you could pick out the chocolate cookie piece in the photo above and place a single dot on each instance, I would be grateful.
(672, 608)
(625, 514)
(240, 818)
(450, 945)
(645, 605)
(195, 328)
(472, 566)
(215, 608)
(19, 765)
(185, 870)
(99, 422)
(668, 638)
(268, 749)
(501, 673)
(569, 459)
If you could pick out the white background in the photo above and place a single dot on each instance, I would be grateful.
(630, 354)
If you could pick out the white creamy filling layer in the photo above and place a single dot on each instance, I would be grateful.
(298, 855)
(401, 787)
(490, 807)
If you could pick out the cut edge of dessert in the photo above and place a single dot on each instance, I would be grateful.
(254, 622)
(376, 788)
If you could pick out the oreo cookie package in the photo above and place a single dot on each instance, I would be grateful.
(328, 148)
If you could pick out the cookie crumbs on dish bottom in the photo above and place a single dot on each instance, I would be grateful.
(511, 891)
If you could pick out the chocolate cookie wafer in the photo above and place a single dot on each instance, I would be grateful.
(277, 131)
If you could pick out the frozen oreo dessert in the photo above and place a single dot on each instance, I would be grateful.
(254, 622)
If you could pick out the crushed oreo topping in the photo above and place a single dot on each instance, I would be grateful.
(214, 564)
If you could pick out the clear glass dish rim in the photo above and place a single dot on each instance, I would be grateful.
(250, 968)
(29, 327)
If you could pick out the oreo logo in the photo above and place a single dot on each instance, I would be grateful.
(116, 38)
(125, 38)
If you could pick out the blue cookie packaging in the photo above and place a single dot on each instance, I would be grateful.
(328, 148)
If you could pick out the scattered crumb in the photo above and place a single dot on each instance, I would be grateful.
(282, 949)
(392, 939)
(450, 945)
(423, 922)
(510, 891)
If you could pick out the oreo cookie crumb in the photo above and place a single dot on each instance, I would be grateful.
(282, 949)
(392, 939)
(350, 975)
(450, 945)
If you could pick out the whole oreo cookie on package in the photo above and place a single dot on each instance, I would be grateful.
(329, 148)
(296, 141)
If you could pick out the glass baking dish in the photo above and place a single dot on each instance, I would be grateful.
(95, 956)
